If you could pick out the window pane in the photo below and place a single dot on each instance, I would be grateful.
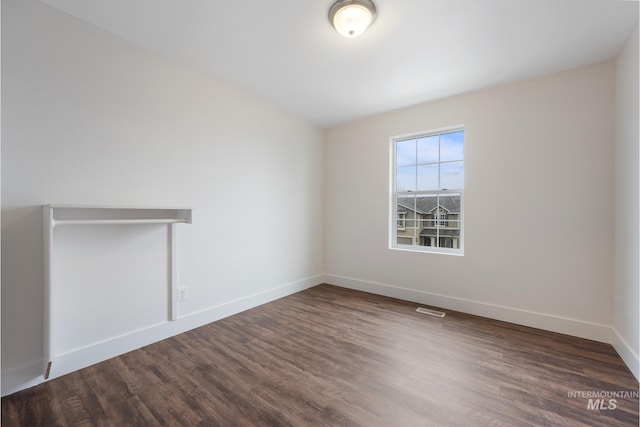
(406, 235)
(406, 178)
(406, 153)
(428, 149)
(404, 240)
(451, 204)
(452, 146)
(402, 217)
(451, 175)
(410, 228)
(405, 213)
(428, 177)
(449, 221)
(406, 205)
(425, 205)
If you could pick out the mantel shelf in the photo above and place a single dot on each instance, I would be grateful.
(78, 214)
(116, 221)
(63, 215)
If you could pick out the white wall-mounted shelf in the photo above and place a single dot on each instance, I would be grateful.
(78, 215)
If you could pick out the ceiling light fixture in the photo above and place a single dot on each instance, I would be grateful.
(351, 17)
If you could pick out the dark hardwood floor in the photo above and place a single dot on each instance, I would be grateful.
(335, 357)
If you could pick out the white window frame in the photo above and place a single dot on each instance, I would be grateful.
(393, 230)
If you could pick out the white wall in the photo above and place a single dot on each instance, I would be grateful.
(538, 204)
(625, 297)
(90, 119)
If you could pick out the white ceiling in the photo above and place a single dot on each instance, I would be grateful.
(287, 52)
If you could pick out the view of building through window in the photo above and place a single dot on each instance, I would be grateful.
(428, 183)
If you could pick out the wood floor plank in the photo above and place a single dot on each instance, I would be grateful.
(330, 356)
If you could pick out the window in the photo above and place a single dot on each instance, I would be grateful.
(402, 217)
(427, 188)
(440, 217)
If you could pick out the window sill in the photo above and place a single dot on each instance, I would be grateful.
(428, 250)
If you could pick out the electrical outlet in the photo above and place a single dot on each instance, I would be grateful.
(182, 294)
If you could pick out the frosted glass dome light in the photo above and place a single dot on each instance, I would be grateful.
(351, 17)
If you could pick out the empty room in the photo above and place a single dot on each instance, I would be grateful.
(320, 213)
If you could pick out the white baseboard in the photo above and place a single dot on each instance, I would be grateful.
(22, 377)
(577, 328)
(28, 375)
(627, 354)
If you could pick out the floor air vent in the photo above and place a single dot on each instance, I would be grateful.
(430, 312)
